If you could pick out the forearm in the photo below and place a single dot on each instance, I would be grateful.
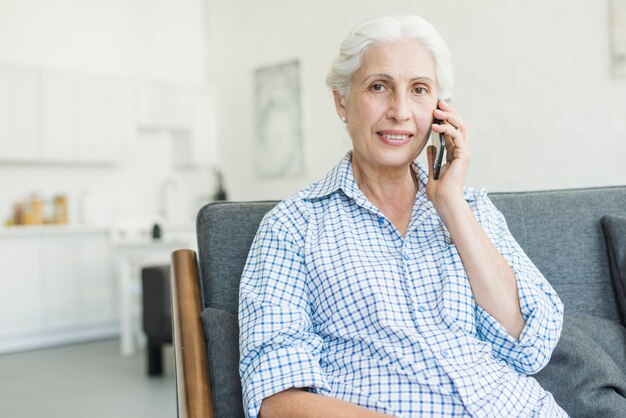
(296, 403)
(491, 278)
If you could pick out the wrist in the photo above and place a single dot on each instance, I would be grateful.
(450, 206)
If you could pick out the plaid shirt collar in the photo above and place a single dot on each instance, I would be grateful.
(341, 177)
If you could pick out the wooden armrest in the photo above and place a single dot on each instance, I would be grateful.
(192, 383)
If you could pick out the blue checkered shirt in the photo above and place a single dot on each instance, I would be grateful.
(334, 299)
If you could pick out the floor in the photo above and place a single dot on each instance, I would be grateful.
(85, 380)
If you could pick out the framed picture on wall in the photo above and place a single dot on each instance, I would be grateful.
(618, 37)
(279, 150)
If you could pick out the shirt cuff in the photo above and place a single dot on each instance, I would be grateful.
(279, 370)
(532, 351)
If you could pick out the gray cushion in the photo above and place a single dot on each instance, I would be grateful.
(561, 233)
(222, 340)
(587, 371)
(615, 233)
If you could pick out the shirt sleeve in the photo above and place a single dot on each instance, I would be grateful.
(278, 349)
(541, 307)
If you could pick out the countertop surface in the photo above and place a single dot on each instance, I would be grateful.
(74, 229)
(48, 230)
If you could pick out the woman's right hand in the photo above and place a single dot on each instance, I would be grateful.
(449, 187)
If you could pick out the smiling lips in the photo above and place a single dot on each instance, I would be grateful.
(395, 137)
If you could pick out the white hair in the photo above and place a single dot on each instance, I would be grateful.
(383, 30)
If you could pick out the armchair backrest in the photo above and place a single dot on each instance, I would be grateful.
(560, 230)
(225, 232)
(205, 292)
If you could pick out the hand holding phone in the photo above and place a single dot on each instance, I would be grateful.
(440, 149)
(447, 175)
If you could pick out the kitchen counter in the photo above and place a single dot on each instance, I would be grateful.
(72, 283)
(73, 229)
(47, 230)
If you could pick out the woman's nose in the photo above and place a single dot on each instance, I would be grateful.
(398, 108)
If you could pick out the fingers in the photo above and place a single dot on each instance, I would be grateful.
(454, 136)
(450, 116)
(454, 129)
(447, 109)
(430, 154)
(453, 126)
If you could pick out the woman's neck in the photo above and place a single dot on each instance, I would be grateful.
(386, 185)
(391, 191)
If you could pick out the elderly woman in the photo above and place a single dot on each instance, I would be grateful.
(380, 290)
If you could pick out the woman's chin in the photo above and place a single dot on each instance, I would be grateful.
(398, 157)
(387, 160)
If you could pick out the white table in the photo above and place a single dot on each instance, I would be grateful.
(132, 257)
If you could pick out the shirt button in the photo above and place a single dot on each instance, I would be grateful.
(406, 257)
(443, 353)
(421, 309)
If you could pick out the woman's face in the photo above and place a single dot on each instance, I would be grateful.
(389, 109)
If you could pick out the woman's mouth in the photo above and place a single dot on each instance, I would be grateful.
(394, 138)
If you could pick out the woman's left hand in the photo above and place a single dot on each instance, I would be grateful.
(449, 186)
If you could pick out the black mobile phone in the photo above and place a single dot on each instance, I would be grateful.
(441, 148)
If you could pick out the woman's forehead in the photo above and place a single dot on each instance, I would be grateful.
(409, 58)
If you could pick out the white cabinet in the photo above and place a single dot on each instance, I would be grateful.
(20, 114)
(59, 282)
(56, 287)
(58, 117)
(165, 106)
(186, 112)
(203, 132)
(96, 272)
(20, 287)
(103, 118)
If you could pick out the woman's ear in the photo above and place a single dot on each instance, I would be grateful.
(340, 104)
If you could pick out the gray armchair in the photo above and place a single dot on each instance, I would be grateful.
(560, 231)
(204, 303)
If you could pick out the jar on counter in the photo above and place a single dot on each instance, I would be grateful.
(33, 212)
(60, 209)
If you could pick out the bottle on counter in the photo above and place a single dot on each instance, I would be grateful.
(60, 209)
(18, 214)
(156, 232)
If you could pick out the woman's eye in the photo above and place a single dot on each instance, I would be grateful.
(377, 87)
(420, 90)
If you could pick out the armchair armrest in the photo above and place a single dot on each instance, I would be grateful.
(192, 383)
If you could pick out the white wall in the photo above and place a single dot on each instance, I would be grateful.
(533, 83)
(164, 39)
(140, 40)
